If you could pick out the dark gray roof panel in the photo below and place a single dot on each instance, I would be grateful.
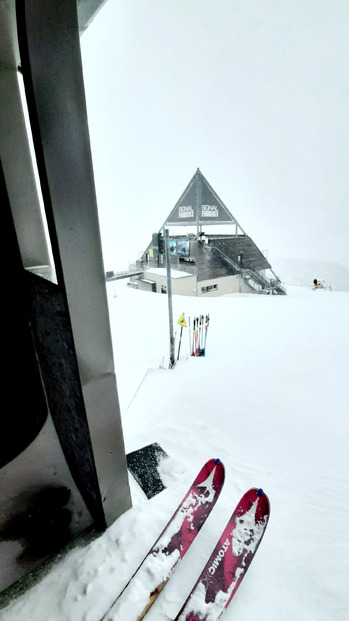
(242, 250)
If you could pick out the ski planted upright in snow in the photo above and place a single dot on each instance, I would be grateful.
(200, 329)
(205, 323)
(229, 560)
(159, 564)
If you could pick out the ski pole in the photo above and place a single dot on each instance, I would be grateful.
(206, 329)
(180, 342)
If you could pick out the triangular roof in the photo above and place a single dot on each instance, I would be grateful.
(200, 204)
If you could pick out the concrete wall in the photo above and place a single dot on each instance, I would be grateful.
(147, 285)
(225, 284)
(188, 285)
(182, 285)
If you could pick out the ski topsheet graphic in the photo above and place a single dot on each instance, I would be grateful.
(160, 562)
(229, 560)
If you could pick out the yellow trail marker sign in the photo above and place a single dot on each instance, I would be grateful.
(181, 321)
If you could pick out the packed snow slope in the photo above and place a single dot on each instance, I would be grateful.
(270, 399)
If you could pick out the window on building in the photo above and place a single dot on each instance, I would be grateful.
(209, 288)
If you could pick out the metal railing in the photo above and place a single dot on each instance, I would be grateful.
(252, 277)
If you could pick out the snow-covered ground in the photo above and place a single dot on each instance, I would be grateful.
(303, 271)
(270, 399)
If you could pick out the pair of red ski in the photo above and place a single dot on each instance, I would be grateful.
(226, 566)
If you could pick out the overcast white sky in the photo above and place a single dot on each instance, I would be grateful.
(253, 92)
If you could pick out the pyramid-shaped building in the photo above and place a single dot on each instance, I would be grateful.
(204, 262)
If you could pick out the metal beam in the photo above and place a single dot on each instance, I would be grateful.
(52, 70)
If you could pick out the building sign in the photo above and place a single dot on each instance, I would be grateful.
(173, 247)
(183, 248)
(185, 211)
(209, 211)
(199, 204)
